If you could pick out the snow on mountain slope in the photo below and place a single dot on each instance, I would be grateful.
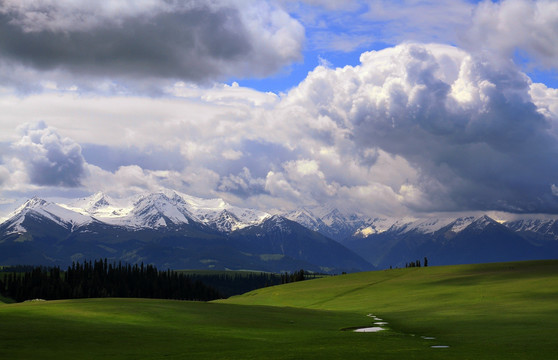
(328, 221)
(461, 223)
(332, 222)
(54, 212)
(217, 212)
(402, 225)
(305, 218)
(481, 222)
(162, 209)
(532, 225)
(171, 208)
(222, 215)
(378, 225)
(154, 211)
(100, 206)
(425, 226)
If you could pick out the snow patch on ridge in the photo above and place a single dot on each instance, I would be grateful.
(167, 208)
(54, 212)
(164, 208)
(100, 206)
(461, 223)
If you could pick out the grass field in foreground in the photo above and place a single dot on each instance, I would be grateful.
(157, 329)
(488, 311)
(494, 311)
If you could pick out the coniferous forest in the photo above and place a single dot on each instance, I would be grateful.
(102, 279)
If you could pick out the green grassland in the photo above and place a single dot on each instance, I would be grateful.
(504, 310)
(492, 311)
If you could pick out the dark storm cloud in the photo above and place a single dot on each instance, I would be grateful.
(192, 46)
(48, 158)
(197, 42)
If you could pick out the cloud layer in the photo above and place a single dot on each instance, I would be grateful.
(416, 127)
(197, 41)
(468, 127)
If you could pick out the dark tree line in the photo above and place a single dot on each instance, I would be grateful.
(292, 277)
(416, 263)
(235, 283)
(103, 279)
(17, 268)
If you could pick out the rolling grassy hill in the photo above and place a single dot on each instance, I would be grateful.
(491, 311)
(481, 311)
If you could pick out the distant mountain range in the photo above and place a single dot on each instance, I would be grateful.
(444, 240)
(170, 230)
(174, 230)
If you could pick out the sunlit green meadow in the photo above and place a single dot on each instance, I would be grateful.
(494, 311)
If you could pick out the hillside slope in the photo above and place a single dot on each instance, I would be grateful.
(483, 309)
(493, 311)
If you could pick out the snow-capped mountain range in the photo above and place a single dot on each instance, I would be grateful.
(341, 227)
(445, 238)
(147, 211)
(168, 229)
(168, 207)
(381, 241)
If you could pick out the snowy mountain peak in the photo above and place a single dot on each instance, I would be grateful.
(334, 217)
(32, 203)
(96, 202)
(98, 205)
(99, 200)
(481, 222)
(543, 226)
(461, 223)
(306, 218)
(158, 209)
(277, 223)
(40, 208)
(226, 221)
(168, 207)
(375, 226)
(329, 221)
(149, 210)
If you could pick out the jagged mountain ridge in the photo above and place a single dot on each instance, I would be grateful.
(167, 229)
(166, 208)
(328, 221)
(166, 216)
(354, 225)
(446, 239)
(471, 239)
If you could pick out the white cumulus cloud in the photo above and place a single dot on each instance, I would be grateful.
(48, 158)
(415, 127)
(510, 26)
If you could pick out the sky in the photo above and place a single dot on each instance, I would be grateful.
(376, 107)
